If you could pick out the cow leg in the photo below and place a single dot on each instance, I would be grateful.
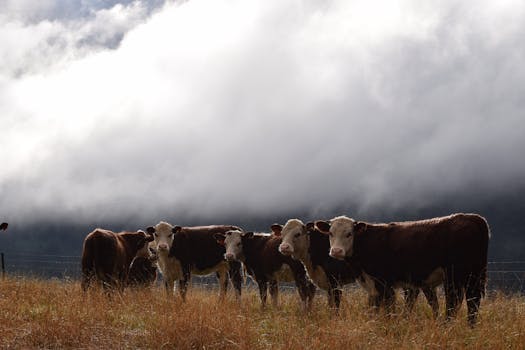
(223, 284)
(330, 295)
(169, 284)
(274, 293)
(389, 300)
(235, 273)
(453, 297)
(410, 298)
(263, 288)
(183, 288)
(311, 294)
(473, 296)
(430, 294)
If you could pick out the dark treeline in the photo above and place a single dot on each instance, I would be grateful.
(505, 216)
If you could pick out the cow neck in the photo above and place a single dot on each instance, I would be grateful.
(306, 259)
(128, 241)
(251, 248)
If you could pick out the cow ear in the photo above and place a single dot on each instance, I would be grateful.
(219, 237)
(359, 226)
(176, 229)
(276, 229)
(150, 230)
(149, 237)
(322, 226)
(310, 226)
(248, 235)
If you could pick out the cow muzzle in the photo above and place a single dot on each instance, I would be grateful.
(285, 249)
(337, 253)
(229, 257)
(163, 247)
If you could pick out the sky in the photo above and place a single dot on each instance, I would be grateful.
(222, 108)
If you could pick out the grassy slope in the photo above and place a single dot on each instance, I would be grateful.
(47, 314)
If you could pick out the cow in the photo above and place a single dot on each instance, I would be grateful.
(261, 258)
(183, 251)
(450, 250)
(3, 226)
(311, 247)
(107, 256)
(143, 269)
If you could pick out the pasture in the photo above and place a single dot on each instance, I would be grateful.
(55, 314)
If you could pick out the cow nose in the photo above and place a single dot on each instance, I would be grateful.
(285, 249)
(228, 256)
(337, 253)
(163, 247)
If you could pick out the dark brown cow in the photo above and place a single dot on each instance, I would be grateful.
(143, 269)
(106, 257)
(451, 250)
(183, 251)
(263, 262)
(3, 226)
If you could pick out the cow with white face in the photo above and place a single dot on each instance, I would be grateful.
(264, 263)
(183, 251)
(310, 247)
(341, 232)
(449, 250)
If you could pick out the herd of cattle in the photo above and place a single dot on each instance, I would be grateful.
(414, 256)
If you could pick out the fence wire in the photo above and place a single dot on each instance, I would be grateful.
(507, 276)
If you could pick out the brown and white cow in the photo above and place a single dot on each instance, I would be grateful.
(450, 250)
(311, 247)
(260, 255)
(183, 251)
(3, 226)
(107, 256)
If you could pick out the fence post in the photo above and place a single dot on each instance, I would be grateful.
(3, 266)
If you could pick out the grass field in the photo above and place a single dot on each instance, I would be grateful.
(55, 314)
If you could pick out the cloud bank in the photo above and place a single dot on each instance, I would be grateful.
(215, 108)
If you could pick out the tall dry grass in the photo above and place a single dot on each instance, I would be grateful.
(56, 314)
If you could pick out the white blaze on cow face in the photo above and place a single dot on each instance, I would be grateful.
(163, 235)
(341, 237)
(295, 240)
(233, 245)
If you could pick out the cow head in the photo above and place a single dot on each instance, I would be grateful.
(233, 242)
(3, 226)
(295, 239)
(341, 231)
(147, 250)
(163, 234)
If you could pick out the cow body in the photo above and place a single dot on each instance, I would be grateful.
(449, 250)
(263, 262)
(183, 251)
(106, 257)
(311, 247)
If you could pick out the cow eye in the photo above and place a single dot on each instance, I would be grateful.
(155, 234)
(330, 234)
(239, 244)
(297, 234)
(348, 234)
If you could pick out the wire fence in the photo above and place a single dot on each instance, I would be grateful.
(506, 276)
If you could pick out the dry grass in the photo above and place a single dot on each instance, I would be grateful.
(55, 314)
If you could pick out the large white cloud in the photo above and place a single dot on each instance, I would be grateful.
(212, 108)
